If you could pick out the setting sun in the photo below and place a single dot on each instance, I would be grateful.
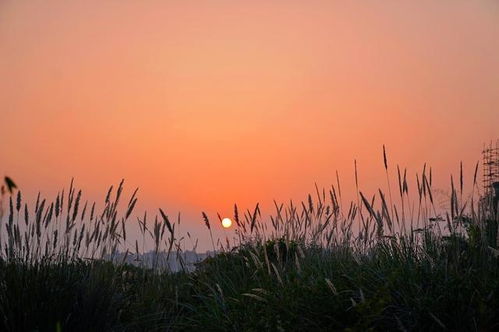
(226, 222)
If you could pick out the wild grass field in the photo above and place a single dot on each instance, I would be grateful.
(391, 261)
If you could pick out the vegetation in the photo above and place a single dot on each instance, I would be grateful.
(377, 265)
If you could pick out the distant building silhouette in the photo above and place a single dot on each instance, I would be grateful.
(490, 155)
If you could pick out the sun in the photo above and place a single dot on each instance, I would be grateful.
(226, 222)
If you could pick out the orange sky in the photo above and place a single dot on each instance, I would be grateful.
(208, 103)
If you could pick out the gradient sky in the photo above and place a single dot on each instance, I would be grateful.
(208, 103)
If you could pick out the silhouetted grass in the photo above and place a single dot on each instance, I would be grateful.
(310, 266)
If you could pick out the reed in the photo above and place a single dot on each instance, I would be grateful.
(315, 265)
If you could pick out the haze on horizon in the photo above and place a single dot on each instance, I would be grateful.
(203, 104)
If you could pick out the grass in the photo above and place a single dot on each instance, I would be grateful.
(375, 265)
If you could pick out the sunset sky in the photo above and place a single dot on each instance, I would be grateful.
(203, 104)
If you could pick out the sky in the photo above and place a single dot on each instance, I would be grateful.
(203, 104)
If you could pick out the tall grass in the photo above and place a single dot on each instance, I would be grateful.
(314, 265)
